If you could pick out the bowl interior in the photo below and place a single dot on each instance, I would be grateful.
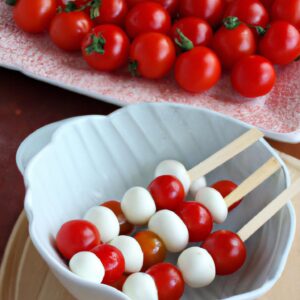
(94, 159)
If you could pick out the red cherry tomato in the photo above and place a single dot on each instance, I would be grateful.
(153, 248)
(152, 55)
(253, 76)
(197, 219)
(233, 44)
(196, 30)
(67, 30)
(281, 43)
(118, 284)
(287, 10)
(77, 3)
(267, 4)
(225, 187)
(146, 17)
(106, 48)
(113, 262)
(197, 70)
(252, 12)
(34, 16)
(167, 192)
(125, 227)
(168, 280)
(227, 250)
(75, 236)
(209, 10)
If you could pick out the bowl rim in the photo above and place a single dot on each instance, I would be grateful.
(53, 264)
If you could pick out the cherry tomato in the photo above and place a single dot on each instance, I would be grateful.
(77, 3)
(112, 12)
(196, 30)
(209, 10)
(287, 10)
(168, 280)
(146, 17)
(153, 248)
(281, 43)
(118, 284)
(267, 4)
(67, 30)
(170, 5)
(197, 219)
(197, 70)
(152, 55)
(227, 250)
(233, 44)
(253, 76)
(252, 12)
(225, 187)
(34, 16)
(75, 236)
(167, 192)
(113, 262)
(125, 227)
(106, 48)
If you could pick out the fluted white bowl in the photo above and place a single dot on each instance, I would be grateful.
(95, 158)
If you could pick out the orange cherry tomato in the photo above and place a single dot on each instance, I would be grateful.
(125, 227)
(153, 248)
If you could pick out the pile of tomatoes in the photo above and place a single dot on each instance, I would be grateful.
(195, 39)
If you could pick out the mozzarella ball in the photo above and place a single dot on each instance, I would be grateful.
(171, 229)
(176, 169)
(106, 222)
(197, 267)
(138, 206)
(140, 286)
(214, 202)
(131, 251)
(88, 266)
(196, 186)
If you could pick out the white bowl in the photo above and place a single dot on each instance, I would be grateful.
(95, 158)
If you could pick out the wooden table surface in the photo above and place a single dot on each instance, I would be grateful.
(26, 105)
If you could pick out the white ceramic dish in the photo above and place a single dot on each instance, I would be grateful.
(95, 158)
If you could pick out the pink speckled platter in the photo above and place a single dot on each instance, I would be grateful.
(277, 114)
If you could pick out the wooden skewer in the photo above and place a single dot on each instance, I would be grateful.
(253, 181)
(269, 211)
(225, 154)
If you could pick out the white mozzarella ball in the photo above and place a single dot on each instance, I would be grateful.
(88, 266)
(176, 169)
(197, 185)
(197, 267)
(138, 205)
(140, 286)
(132, 252)
(105, 220)
(214, 202)
(171, 229)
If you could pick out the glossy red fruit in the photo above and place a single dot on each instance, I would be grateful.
(197, 219)
(75, 236)
(118, 284)
(168, 280)
(227, 250)
(167, 192)
(113, 262)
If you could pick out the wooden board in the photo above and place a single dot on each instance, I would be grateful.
(24, 275)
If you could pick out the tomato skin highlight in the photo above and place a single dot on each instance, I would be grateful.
(253, 76)
(153, 248)
(167, 192)
(197, 219)
(197, 70)
(154, 54)
(227, 250)
(168, 280)
(76, 236)
(281, 43)
(34, 16)
(116, 48)
(233, 44)
(112, 260)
